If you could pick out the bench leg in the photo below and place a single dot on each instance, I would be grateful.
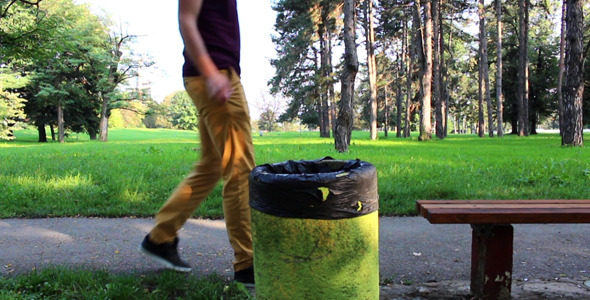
(491, 261)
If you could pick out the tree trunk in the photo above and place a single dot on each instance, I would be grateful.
(372, 66)
(499, 94)
(526, 92)
(385, 110)
(104, 119)
(42, 133)
(344, 123)
(398, 104)
(437, 83)
(522, 68)
(52, 130)
(408, 70)
(331, 93)
(561, 65)
(324, 75)
(425, 113)
(60, 121)
(445, 75)
(485, 68)
(574, 75)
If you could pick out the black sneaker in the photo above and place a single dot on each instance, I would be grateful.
(245, 276)
(166, 254)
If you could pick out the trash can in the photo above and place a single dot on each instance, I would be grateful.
(315, 230)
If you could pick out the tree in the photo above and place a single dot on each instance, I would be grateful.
(371, 65)
(561, 64)
(484, 77)
(17, 23)
(11, 104)
(271, 108)
(425, 112)
(344, 122)
(440, 104)
(303, 68)
(59, 92)
(499, 94)
(116, 69)
(180, 111)
(408, 57)
(523, 70)
(267, 121)
(574, 74)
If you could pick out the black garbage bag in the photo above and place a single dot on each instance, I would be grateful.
(319, 189)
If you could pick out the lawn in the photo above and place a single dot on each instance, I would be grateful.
(60, 283)
(133, 173)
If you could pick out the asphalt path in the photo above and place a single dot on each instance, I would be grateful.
(413, 252)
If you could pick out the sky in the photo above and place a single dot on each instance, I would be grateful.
(156, 25)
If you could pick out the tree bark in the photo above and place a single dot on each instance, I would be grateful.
(499, 94)
(331, 93)
(408, 70)
(561, 65)
(114, 78)
(437, 62)
(52, 130)
(426, 113)
(372, 66)
(104, 119)
(42, 133)
(324, 75)
(485, 69)
(60, 121)
(574, 76)
(522, 93)
(344, 123)
(444, 73)
(398, 104)
(386, 110)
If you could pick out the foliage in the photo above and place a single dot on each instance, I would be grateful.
(62, 283)
(11, 105)
(58, 47)
(71, 61)
(271, 108)
(267, 121)
(135, 173)
(181, 111)
(300, 75)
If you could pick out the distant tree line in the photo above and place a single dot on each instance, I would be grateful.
(434, 66)
(61, 66)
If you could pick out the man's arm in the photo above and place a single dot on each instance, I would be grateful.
(218, 85)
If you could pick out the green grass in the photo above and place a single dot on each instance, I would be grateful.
(133, 173)
(60, 283)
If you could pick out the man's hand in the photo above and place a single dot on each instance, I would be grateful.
(219, 87)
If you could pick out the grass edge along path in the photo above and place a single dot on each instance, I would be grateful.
(64, 283)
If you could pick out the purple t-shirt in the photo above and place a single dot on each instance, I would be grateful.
(218, 25)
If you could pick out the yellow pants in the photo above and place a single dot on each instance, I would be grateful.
(226, 152)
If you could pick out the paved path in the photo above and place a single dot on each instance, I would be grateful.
(430, 260)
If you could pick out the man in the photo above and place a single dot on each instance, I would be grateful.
(210, 31)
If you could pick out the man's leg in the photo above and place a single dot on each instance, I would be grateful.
(161, 243)
(237, 162)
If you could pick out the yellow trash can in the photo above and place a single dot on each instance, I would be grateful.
(315, 230)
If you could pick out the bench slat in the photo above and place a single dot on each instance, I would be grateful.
(507, 201)
(505, 211)
(508, 216)
(420, 204)
(515, 206)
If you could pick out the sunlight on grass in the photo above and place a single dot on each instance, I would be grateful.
(135, 172)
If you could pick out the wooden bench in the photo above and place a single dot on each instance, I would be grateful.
(492, 234)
